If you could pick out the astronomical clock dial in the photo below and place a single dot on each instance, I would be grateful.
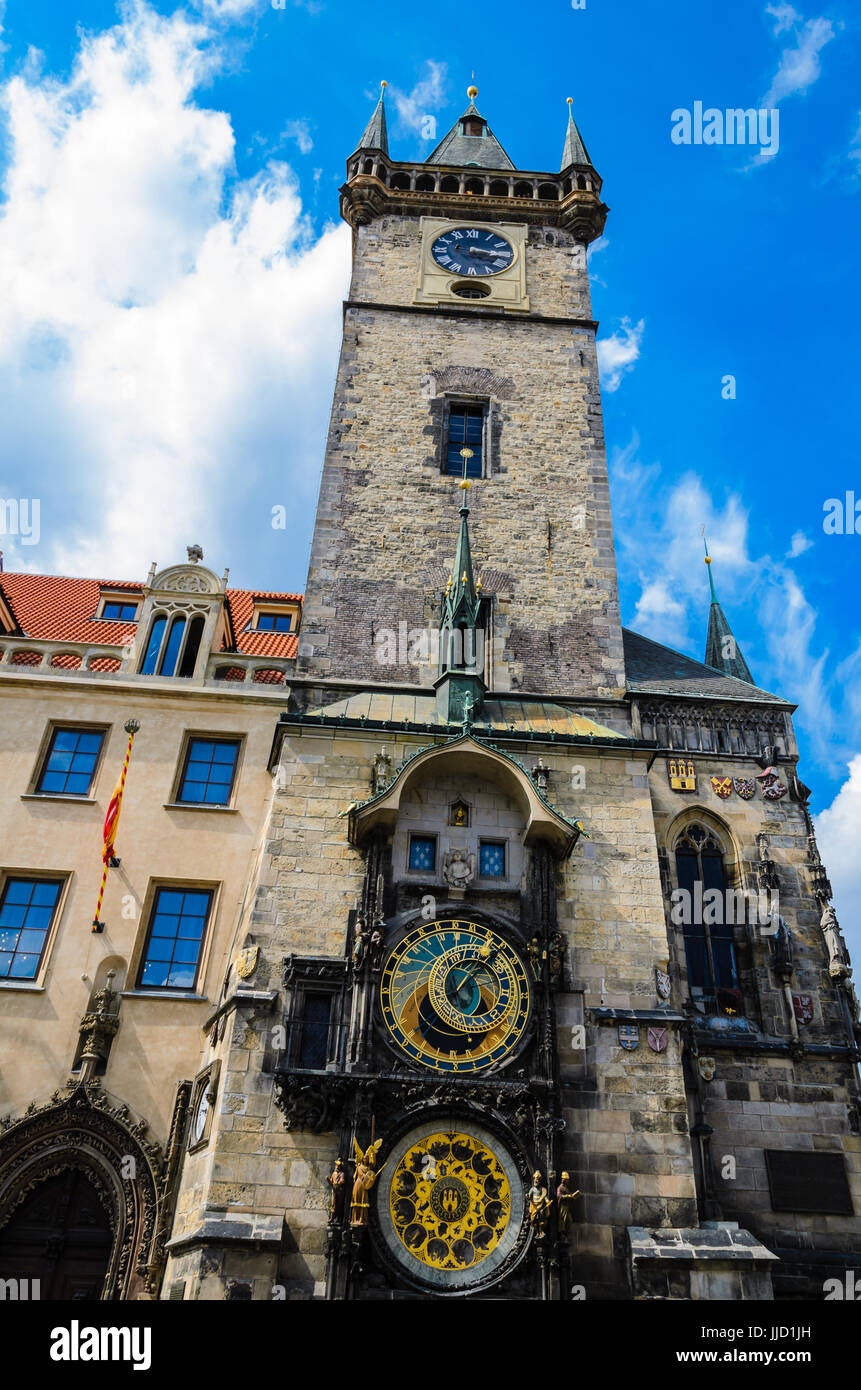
(472, 251)
(451, 1205)
(455, 996)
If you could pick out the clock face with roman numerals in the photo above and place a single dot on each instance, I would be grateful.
(455, 996)
(472, 251)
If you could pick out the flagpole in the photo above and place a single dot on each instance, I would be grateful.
(131, 727)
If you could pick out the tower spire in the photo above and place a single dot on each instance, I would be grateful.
(470, 142)
(573, 151)
(722, 651)
(461, 659)
(376, 135)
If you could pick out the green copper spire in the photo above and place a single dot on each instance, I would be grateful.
(376, 136)
(460, 686)
(722, 651)
(574, 151)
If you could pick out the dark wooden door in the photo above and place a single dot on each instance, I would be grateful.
(61, 1236)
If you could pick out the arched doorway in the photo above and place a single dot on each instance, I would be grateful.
(61, 1236)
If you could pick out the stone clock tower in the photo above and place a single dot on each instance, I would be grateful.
(457, 1052)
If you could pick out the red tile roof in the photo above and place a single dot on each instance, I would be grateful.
(56, 608)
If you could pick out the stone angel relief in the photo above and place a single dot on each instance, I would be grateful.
(366, 1176)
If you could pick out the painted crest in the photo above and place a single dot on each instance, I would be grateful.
(745, 787)
(246, 962)
(657, 1039)
(803, 1006)
(662, 983)
(706, 1068)
(722, 787)
(682, 774)
(772, 787)
(629, 1036)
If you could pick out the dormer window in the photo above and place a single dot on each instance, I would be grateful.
(117, 607)
(274, 622)
(173, 645)
(472, 125)
(272, 616)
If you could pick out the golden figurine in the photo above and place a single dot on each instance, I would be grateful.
(564, 1195)
(364, 1180)
(539, 1205)
(337, 1180)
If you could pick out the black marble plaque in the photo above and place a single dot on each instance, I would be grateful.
(808, 1182)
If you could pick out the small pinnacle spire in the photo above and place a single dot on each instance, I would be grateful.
(574, 151)
(722, 651)
(376, 135)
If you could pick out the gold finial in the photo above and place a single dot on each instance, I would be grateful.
(570, 101)
(478, 585)
(463, 578)
(472, 93)
(384, 83)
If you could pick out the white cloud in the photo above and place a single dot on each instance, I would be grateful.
(837, 836)
(855, 149)
(618, 353)
(798, 545)
(426, 97)
(231, 9)
(164, 344)
(799, 66)
(784, 17)
(300, 131)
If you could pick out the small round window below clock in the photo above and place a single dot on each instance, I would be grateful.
(469, 291)
(450, 1205)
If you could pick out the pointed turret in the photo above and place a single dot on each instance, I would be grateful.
(376, 135)
(470, 142)
(460, 687)
(574, 151)
(722, 651)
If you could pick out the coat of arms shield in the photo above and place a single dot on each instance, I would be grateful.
(662, 983)
(629, 1036)
(657, 1039)
(246, 962)
(745, 787)
(803, 1006)
(706, 1067)
(722, 787)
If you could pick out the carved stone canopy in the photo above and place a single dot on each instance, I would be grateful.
(464, 757)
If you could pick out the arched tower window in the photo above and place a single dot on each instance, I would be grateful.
(712, 968)
(153, 646)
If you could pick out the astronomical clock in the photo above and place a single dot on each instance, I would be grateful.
(438, 1078)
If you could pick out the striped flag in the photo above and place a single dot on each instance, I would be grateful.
(109, 833)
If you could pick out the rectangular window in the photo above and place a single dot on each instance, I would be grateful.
(175, 940)
(210, 767)
(273, 622)
(71, 762)
(465, 431)
(316, 1018)
(423, 853)
(120, 612)
(491, 859)
(26, 913)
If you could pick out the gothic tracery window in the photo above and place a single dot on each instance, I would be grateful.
(710, 953)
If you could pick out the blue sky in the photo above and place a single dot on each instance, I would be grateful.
(174, 268)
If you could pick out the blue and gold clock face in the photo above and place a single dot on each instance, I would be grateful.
(472, 251)
(455, 996)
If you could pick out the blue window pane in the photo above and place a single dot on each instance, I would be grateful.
(125, 612)
(273, 622)
(209, 770)
(90, 743)
(78, 784)
(26, 911)
(61, 760)
(66, 739)
(224, 753)
(174, 642)
(182, 977)
(173, 949)
(193, 791)
(52, 782)
(422, 853)
(465, 429)
(24, 967)
(492, 861)
(19, 890)
(156, 633)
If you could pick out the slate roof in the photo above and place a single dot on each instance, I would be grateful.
(657, 670)
(573, 151)
(56, 608)
(483, 151)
